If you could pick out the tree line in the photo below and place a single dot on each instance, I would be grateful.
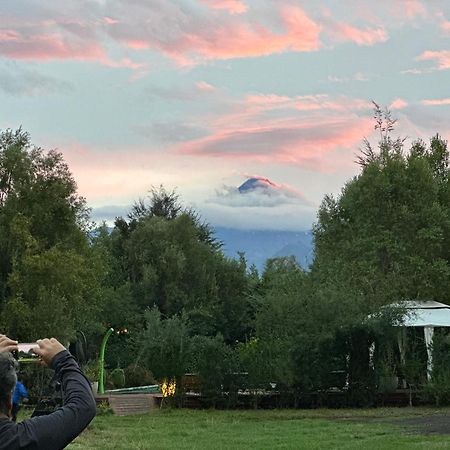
(160, 272)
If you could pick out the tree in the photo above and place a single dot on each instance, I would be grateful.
(164, 345)
(171, 260)
(214, 362)
(49, 276)
(386, 237)
(167, 205)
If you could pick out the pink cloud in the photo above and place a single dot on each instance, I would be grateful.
(239, 40)
(323, 102)
(233, 6)
(137, 44)
(271, 128)
(389, 13)
(398, 103)
(126, 63)
(126, 173)
(204, 86)
(442, 58)
(436, 102)
(52, 36)
(286, 142)
(53, 45)
(53, 40)
(192, 38)
(344, 32)
(412, 8)
(185, 33)
(259, 192)
(179, 30)
(293, 141)
(110, 21)
(359, 76)
(316, 102)
(268, 100)
(445, 26)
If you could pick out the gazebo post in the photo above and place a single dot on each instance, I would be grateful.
(401, 340)
(428, 334)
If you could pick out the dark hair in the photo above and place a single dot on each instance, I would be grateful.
(8, 380)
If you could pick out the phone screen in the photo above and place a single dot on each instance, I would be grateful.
(26, 348)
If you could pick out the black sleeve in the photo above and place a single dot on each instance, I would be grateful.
(56, 430)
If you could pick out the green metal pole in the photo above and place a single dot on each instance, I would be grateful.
(101, 362)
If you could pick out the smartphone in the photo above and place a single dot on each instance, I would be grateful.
(25, 353)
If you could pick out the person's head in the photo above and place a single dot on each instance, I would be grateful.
(8, 379)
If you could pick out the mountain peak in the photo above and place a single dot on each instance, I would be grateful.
(256, 183)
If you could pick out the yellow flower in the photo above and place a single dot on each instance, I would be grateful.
(168, 388)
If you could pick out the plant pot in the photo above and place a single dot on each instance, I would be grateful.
(94, 386)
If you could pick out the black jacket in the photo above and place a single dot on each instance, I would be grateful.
(56, 430)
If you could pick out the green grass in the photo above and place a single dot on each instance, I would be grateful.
(279, 429)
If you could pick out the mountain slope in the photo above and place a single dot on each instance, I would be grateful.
(259, 245)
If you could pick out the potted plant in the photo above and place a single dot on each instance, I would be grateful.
(90, 369)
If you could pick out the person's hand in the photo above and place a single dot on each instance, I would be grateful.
(48, 349)
(7, 344)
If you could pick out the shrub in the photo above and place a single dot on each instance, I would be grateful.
(103, 409)
(438, 389)
(118, 378)
(136, 375)
(90, 369)
(212, 360)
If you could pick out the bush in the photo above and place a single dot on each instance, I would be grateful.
(118, 378)
(213, 361)
(136, 375)
(103, 409)
(90, 369)
(438, 389)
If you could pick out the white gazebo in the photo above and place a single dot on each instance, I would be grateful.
(426, 314)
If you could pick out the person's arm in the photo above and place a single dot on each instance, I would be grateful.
(56, 430)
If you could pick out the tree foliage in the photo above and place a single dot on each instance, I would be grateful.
(49, 277)
(170, 259)
(386, 236)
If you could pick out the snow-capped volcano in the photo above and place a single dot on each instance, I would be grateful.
(257, 184)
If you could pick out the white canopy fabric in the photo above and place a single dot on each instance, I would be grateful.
(425, 314)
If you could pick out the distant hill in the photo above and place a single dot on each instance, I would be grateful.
(259, 245)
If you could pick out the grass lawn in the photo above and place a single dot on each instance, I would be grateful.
(380, 428)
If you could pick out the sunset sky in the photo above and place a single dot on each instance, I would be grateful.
(200, 95)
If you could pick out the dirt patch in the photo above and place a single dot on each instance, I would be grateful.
(433, 424)
(426, 423)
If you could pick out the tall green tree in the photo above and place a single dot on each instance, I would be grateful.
(49, 276)
(169, 258)
(386, 237)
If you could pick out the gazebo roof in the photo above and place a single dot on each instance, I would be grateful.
(425, 313)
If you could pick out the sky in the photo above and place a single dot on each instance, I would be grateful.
(200, 95)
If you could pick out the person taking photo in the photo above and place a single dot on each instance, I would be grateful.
(56, 430)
